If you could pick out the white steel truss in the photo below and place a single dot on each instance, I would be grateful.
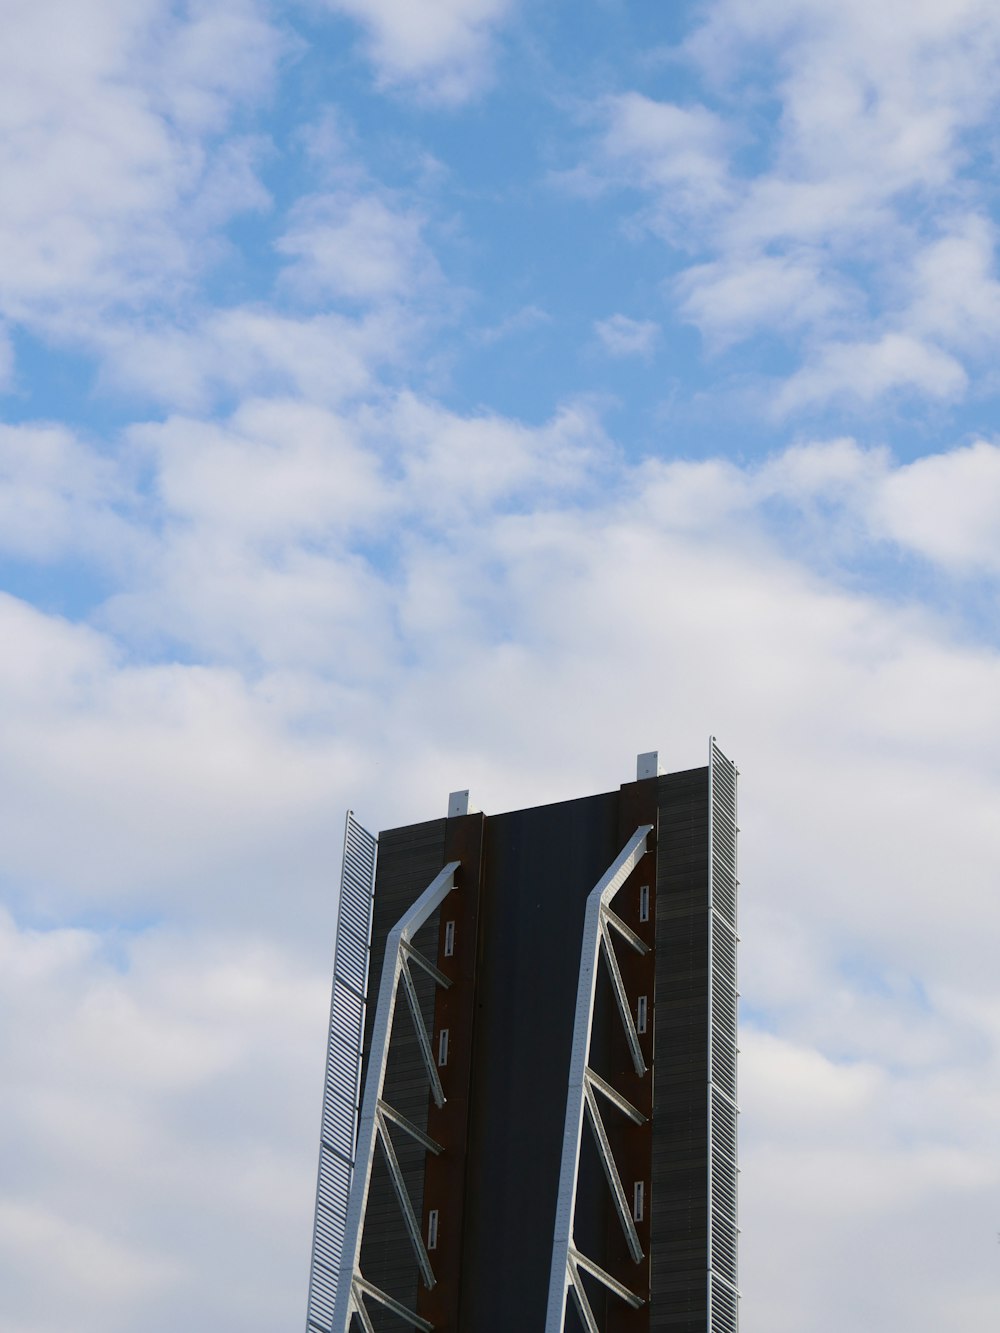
(377, 1115)
(568, 1264)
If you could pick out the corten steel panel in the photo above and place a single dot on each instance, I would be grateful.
(632, 1144)
(444, 1175)
(408, 860)
(539, 867)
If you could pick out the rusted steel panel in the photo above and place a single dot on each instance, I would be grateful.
(454, 1013)
(633, 1144)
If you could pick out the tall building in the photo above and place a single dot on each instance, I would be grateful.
(529, 1119)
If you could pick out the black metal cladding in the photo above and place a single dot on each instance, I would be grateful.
(679, 1203)
(540, 865)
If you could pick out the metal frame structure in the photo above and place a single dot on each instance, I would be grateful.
(723, 1292)
(343, 1070)
(419, 1194)
(584, 1083)
(377, 1115)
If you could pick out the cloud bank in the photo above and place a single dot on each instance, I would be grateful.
(382, 418)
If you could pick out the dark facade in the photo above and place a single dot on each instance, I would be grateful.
(546, 1138)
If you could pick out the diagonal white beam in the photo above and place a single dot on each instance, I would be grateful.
(595, 1270)
(364, 1287)
(561, 1272)
(611, 1174)
(423, 1040)
(621, 999)
(426, 964)
(578, 1261)
(358, 1305)
(580, 1300)
(403, 1195)
(625, 931)
(602, 1086)
(390, 1113)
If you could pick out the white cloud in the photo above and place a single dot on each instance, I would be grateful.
(528, 317)
(463, 468)
(113, 188)
(798, 1089)
(93, 1268)
(679, 153)
(850, 217)
(75, 708)
(355, 246)
(867, 371)
(731, 298)
(622, 336)
(142, 1171)
(277, 471)
(126, 160)
(57, 496)
(261, 521)
(221, 55)
(947, 507)
(441, 48)
(6, 359)
(339, 592)
(955, 292)
(277, 588)
(828, 470)
(500, 547)
(325, 358)
(890, 87)
(493, 579)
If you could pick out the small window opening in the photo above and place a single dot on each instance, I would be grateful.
(449, 938)
(443, 1047)
(640, 1014)
(638, 1199)
(644, 903)
(432, 1229)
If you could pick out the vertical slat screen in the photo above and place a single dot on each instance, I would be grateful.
(723, 1231)
(341, 1091)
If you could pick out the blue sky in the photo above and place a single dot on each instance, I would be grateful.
(403, 398)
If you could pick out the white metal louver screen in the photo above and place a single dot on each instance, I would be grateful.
(343, 1071)
(723, 1110)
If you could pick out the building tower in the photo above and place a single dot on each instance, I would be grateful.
(529, 1118)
